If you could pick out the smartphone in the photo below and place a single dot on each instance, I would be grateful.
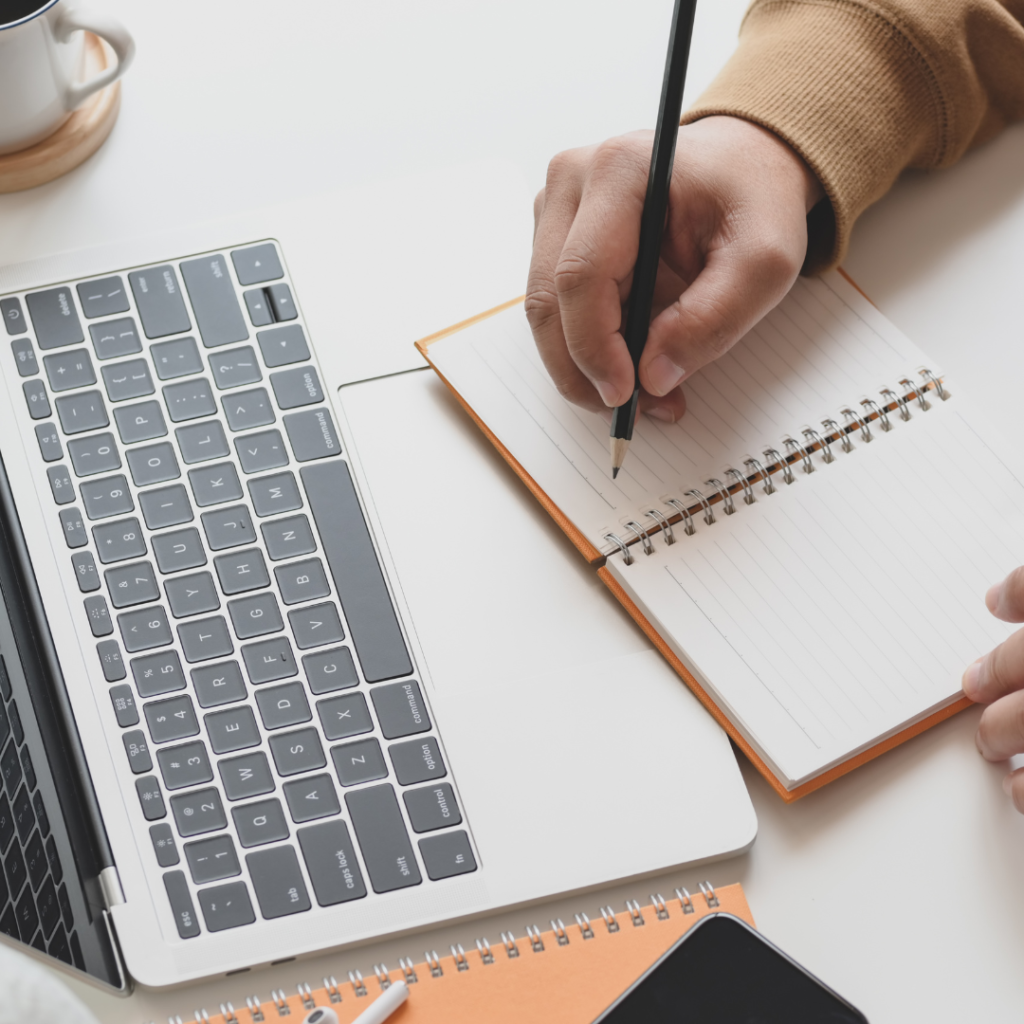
(723, 972)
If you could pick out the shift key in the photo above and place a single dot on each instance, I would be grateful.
(214, 302)
(159, 301)
(380, 829)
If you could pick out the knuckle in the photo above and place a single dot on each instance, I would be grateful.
(614, 155)
(576, 268)
(541, 305)
(562, 166)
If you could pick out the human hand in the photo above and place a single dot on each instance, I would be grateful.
(998, 681)
(734, 242)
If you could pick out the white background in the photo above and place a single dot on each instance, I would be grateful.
(902, 885)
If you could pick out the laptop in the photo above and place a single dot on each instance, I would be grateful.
(288, 662)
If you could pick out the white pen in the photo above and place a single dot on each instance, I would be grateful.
(376, 1013)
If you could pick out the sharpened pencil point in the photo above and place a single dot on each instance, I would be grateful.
(619, 448)
(615, 471)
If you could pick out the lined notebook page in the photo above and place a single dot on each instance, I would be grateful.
(848, 604)
(824, 347)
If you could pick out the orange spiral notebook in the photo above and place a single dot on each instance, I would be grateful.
(567, 974)
(809, 546)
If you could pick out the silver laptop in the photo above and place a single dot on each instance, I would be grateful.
(279, 669)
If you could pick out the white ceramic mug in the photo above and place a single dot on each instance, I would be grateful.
(41, 55)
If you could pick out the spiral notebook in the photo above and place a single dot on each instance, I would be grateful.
(567, 974)
(809, 546)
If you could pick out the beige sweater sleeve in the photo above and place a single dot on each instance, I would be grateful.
(863, 89)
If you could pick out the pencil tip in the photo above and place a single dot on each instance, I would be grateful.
(619, 448)
(615, 472)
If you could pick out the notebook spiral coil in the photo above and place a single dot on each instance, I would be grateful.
(281, 1005)
(782, 466)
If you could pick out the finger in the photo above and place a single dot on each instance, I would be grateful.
(736, 288)
(1000, 672)
(1001, 729)
(1006, 600)
(538, 210)
(1013, 786)
(667, 408)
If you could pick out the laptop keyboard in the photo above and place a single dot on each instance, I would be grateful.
(280, 748)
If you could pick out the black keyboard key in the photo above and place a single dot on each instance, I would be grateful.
(103, 297)
(331, 862)
(214, 303)
(10, 767)
(200, 442)
(255, 615)
(94, 454)
(14, 870)
(281, 302)
(218, 684)
(144, 629)
(156, 674)
(260, 452)
(259, 307)
(5, 680)
(166, 506)
(248, 409)
(150, 798)
(235, 368)
(212, 860)
(49, 443)
(75, 534)
(28, 916)
(181, 904)
(296, 752)
(5, 726)
(166, 850)
(35, 861)
(48, 907)
(13, 317)
(143, 421)
(241, 571)
(198, 812)
(56, 868)
(315, 626)
(417, 761)
(246, 776)
(281, 706)
(24, 816)
(259, 823)
(9, 924)
(447, 855)
(359, 762)
(294, 388)
(400, 709)
(61, 487)
(283, 345)
(6, 822)
(302, 581)
(432, 807)
(26, 757)
(192, 595)
(16, 727)
(132, 584)
(54, 317)
(107, 497)
(155, 464)
(273, 494)
(41, 816)
(226, 906)
(99, 616)
(189, 400)
(68, 370)
(185, 765)
(172, 719)
(312, 434)
(35, 397)
(380, 830)
(277, 879)
(128, 380)
(78, 413)
(213, 485)
(269, 660)
(257, 264)
(331, 670)
(159, 302)
(25, 357)
(111, 661)
(115, 338)
(177, 358)
(137, 748)
(205, 639)
(286, 538)
(344, 716)
(232, 729)
(311, 798)
(125, 709)
(358, 580)
(182, 549)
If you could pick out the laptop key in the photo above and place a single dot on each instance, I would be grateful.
(141, 422)
(297, 387)
(159, 301)
(205, 639)
(246, 776)
(98, 614)
(68, 370)
(417, 761)
(400, 709)
(49, 908)
(164, 846)
(231, 730)
(218, 315)
(177, 358)
(111, 662)
(35, 397)
(311, 798)
(94, 454)
(432, 807)
(218, 684)
(181, 904)
(241, 571)
(49, 444)
(85, 571)
(117, 541)
(13, 317)
(78, 413)
(277, 879)
(281, 302)
(226, 906)
(344, 716)
(41, 816)
(198, 812)
(24, 357)
(168, 506)
(312, 435)
(281, 706)
(192, 595)
(14, 869)
(6, 825)
(132, 584)
(331, 862)
(316, 625)
(124, 381)
(235, 368)
(28, 917)
(257, 264)
(228, 527)
(144, 629)
(260, 452)
(269, 660)
(185, 765)
(182, 549)
(150, 798)
(213, 485)
(61, 487)
(359, 762)
(295, 752)
(172, 719)
(248, 409)
(286, 538)
(255, 616)
(136, 746)
(302, 581)
(115, 338)
(157, 674)
(103, 297)
(24, 816)
(125, 708)
(447, 855)
(382, 836)
(331, 670)
(189, 400)
(107, 497)
(259, 307)
(200, 442)
(211, 860)
(153, 464)
(274, 494)
(259, 823)
(54, 318)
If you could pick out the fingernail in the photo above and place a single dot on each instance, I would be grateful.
(1008, 784)
(972, 680)
(607, 392)
(663, 375)
(661, 413)
(979, 745)
(992, 597)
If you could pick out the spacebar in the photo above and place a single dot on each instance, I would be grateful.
(358, 580)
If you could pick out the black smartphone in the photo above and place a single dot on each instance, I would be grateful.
(723, 972)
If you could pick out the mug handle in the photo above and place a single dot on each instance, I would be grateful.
(108, 29)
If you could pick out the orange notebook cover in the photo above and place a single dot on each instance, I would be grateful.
(568, 974)
(596, 558)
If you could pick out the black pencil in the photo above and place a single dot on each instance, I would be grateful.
(652, 220)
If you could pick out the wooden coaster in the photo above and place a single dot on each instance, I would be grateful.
(77, 138)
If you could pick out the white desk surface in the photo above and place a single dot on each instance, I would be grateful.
(901, 885)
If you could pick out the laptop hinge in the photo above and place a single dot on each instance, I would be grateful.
(110, 886)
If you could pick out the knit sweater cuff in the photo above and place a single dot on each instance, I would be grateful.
(847, 89)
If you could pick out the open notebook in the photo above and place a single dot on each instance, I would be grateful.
(809, 546)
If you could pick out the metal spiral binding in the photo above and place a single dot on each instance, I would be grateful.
(356, 978)
(685, 900)
(383, 975)
(306, 995)
(201, 1016)
(609, 919)
(666, 526)
(858, 421)
(709, 516)
(748, 491)
(433, 961)
(688, 528)
(635, 914)
(880, 414)
(332, 990)
(483, 947)
(774, 456)
(822, 442)
(536, 942)
(922, 401)
(832, 427)
(723, 492)
(255, 1006)
(708, 892)
(627, 558)
(227, 1011)
(408, 970)
(641, 535)
(901, 402)
(459, 956)
(561, 935)
(509, 942)
(280, 1001)
(769, 487)
(658, 902)
(584, 924)
(935, 382)
(792, 442)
